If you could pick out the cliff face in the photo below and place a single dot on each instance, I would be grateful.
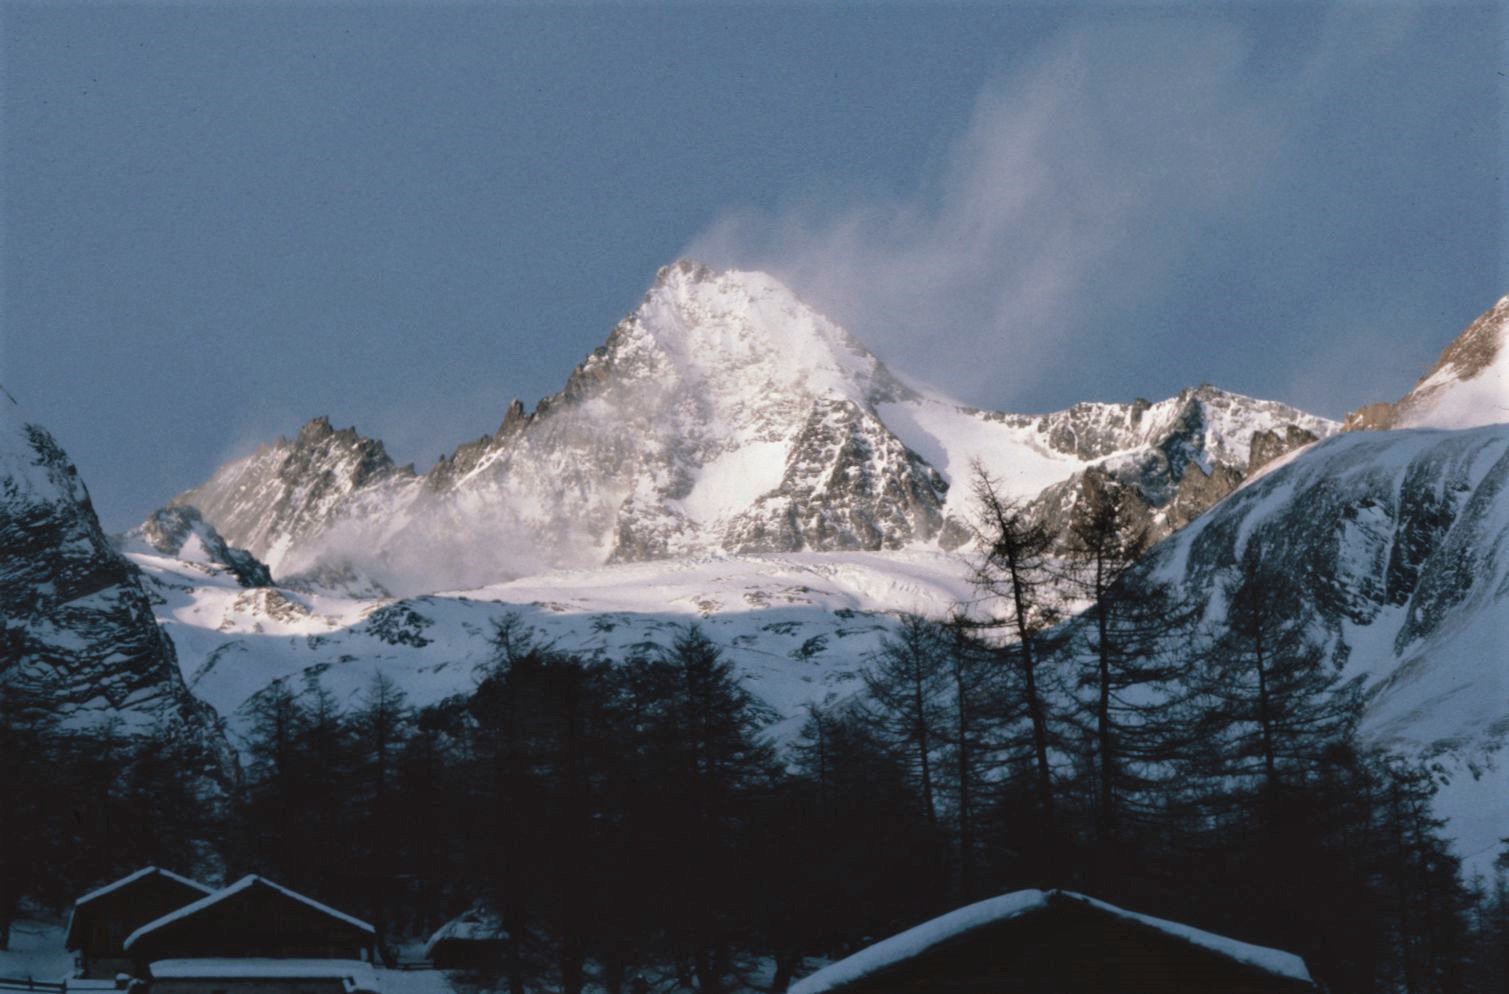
(78, 626)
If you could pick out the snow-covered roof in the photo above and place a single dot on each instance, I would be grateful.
(920, 938)
(914, 941)
(145, 871)
(1274, 961)
(357, 975)
(245, 883)
(476, 924)
(70, 940)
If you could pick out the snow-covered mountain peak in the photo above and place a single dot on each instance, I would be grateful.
(721, 415)
(1467, 387)
(683, 270)
(367, 457)
(745, 333)
(31, 462)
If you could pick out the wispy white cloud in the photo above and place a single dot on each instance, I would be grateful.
(1082, 182)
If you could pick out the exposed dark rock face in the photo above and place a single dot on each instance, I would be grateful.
(1087, 430)
(849, 484)
(399, 624)
(1269, 445)
(1180, 466)
(77, 621)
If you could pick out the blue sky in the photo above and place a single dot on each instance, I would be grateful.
(220, 221)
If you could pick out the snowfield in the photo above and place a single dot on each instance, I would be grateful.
(796, 626)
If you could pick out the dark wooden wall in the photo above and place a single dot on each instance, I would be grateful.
(105, 922)
(467, 954)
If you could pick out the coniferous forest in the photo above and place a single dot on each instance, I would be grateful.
(628, 814)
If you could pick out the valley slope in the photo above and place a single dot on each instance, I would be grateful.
(793, 508)
(731, 458)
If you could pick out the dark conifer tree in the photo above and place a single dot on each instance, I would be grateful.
(1015, 576)
(1431, 904)
(1272, 702)
(968, 693)
(708, 731)
(1132, 651)
(325, 808)
(862, 858)
(380, 727)
(437, 818)
(170, 816)
(1487, 962)
(93, 764)
(268, 824)
(904, 682)
(504, 712)
(35, 821)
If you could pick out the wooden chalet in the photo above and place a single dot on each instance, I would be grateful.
(253, 919)
(102, 919)
(473, 940)
(1058, 942)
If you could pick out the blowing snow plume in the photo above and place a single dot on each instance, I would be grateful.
(1080, 183)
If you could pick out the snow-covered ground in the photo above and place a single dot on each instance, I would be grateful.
(36, 951)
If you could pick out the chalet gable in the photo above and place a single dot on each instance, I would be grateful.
(101, 920)
(252, 917)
